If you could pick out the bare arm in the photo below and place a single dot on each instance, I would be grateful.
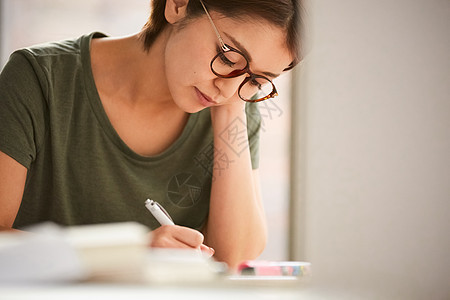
(236, 226)
(12, 184)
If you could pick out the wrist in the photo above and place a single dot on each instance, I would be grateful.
(222, 116)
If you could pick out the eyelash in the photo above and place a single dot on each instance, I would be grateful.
(255, 83)
(225, 60)
(229, 63)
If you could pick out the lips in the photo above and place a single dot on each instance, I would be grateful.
(205, 100)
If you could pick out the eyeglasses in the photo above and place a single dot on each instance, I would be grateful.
(230, 63)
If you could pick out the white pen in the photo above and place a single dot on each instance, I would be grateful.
(164, 218)
(159, 212)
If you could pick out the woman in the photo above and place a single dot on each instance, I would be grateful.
(91, 128)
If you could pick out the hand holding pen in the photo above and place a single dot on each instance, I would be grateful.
(170, 235)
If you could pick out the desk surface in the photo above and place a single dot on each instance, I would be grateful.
(132, 292)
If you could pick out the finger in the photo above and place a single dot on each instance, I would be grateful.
(207, 250)
(189, 236)
(165, 236)
(162, 237)
(169, 243)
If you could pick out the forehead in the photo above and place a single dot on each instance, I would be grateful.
(264, 42)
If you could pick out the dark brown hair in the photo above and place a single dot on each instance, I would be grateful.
(282, 13)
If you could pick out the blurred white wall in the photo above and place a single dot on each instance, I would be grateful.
(373, 149)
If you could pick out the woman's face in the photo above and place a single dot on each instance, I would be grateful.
(190, 49)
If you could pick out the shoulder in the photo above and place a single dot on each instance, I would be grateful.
(51, 54)
(252, 108)
(253, 116)
(49, 62)
(67, 46)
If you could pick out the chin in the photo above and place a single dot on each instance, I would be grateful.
(192, 111)
(188, 107)
(190, 104)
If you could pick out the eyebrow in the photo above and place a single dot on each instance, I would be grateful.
(247, 55)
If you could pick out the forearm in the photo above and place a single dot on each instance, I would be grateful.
(236, 228)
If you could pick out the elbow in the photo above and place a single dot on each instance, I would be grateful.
(249, 250)
(256, 248)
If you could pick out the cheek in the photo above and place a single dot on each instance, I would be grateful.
(176, 67)
(186, 65)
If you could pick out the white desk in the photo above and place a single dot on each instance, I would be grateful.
(252, 290)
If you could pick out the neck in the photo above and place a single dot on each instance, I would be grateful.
(127, 72)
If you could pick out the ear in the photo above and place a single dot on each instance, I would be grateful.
(175, 10)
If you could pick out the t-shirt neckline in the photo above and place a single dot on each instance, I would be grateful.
(102, 117)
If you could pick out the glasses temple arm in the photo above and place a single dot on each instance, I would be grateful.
(222, 44)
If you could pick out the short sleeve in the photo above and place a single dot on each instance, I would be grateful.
(253, 131)
(22, 108)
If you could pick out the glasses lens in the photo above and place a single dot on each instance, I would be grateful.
(229, 63)
(255, 89)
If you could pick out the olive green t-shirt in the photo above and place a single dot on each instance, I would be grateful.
(79, 170)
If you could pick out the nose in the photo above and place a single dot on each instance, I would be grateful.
(229, 86)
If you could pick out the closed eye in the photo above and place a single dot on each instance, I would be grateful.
(225, 59)
(255, 82)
